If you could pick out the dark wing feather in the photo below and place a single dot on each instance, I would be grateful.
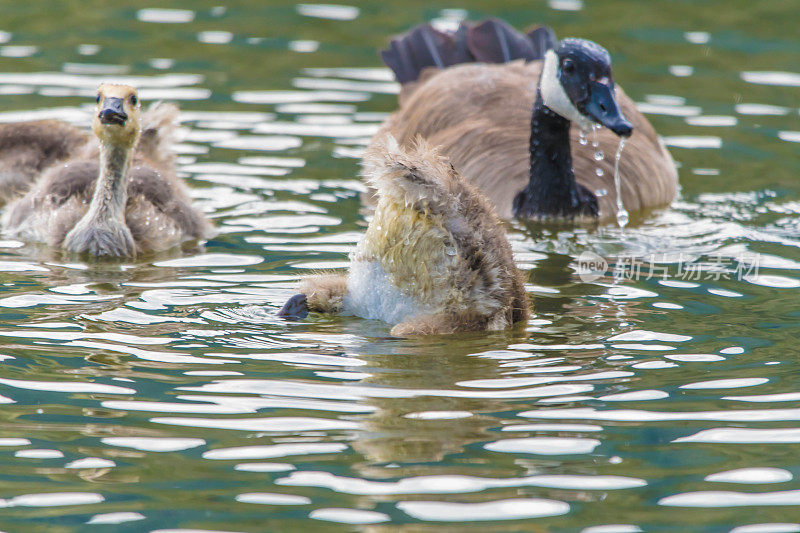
(495, 41)
(543, 39)
(491, 41)
(424, 46)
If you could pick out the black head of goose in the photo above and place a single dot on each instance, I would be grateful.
(576, 86)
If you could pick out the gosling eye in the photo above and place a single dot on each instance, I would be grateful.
(134, 100)
(98, 98)
(568, 66)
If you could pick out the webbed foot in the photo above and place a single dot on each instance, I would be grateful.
(296, 308)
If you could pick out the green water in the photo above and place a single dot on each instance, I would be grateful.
(163, 394)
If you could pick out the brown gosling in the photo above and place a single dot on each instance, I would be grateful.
(108, 200)
(434, 259)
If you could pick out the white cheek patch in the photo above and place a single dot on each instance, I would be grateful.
(553, 94)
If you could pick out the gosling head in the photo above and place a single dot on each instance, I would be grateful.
(576, 83)
(116, 120)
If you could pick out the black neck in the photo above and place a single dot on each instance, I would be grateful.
(552, 190)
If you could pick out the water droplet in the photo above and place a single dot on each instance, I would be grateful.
(599, 171)
(599, 155)
(582, 137)
(601, 192)
(622, 218)
(622, 214)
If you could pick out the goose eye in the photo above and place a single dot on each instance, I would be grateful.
(568, 66)
(134, 100)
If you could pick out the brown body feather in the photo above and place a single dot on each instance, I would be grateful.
(480, 114)
(27, 148)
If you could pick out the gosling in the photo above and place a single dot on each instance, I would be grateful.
(434, 259)
(108, 200)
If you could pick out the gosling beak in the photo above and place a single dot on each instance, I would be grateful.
(604, 109)
(295, 308)
(113, 112)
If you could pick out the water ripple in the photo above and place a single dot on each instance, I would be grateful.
(621, 392)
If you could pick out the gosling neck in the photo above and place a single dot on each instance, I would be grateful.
(110, 191)
(552, 190)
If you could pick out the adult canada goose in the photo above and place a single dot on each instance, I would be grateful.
(106, 199)
(434, 258)
(501, 105)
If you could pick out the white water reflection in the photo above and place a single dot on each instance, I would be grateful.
(66, 386)
(351, 392)
(264, 467)
(544, 446)
(116, 518)
(348, 516)
(286, 97)
(751, 475)
(91, 462)
(165, 16)
(633, 396)
(328, 11)
(636, 415)
(513, 509)
(278, 424)
(272, 451)
(55, 499)
(688, 141)
(154, 444)
(612, 528)
(454, 484)
(265, 498)
(726, 383)
(787, 79)
(744, 436)
(731, 499)
(768, 528)
(438, 415)
(14, 442)
(31, 453)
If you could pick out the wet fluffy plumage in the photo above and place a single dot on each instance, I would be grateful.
(158, 212)
(28, 148)
(435, 252)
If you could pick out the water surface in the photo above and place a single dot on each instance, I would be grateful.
(163, 394)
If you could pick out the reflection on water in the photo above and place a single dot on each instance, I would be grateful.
(164, 393)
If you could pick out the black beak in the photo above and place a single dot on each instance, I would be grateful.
(295, 308)
(113, 112)
(603, 108)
